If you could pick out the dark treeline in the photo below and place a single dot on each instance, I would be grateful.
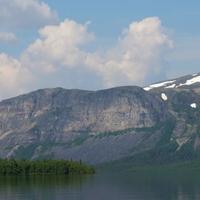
(27, 167)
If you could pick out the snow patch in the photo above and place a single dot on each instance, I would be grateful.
(195, 78)
(193, 105)
(191, 81)
(171, 86)
(157, 85)
(164, 97)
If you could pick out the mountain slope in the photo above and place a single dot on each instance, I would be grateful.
(103, 126)
(185, 82)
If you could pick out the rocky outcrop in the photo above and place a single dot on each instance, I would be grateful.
(97, 126)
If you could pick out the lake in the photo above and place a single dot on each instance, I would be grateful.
(104, 186)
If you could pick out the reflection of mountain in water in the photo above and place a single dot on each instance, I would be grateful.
(145, 186)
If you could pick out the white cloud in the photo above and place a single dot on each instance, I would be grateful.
(26, 13)
(58, 45)
(59, 53)
(13, 76)
(136, 56)
(6, 37)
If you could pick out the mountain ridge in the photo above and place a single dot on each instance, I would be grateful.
(181, 82)
(102, 126)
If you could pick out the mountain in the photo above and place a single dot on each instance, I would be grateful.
(159, 122)
(185, 82)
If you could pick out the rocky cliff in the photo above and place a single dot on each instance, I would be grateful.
(102, 126)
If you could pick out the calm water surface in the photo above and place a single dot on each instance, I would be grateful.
(103, 186)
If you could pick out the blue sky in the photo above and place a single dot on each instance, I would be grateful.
(181, 17)
(111, 16)
(102, 49)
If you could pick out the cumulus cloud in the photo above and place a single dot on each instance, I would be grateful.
(58, 45)
(136, 56)
(6, 37)
(60, 52)
(26, 13)
(13, 76)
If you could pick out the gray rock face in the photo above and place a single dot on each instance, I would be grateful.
(54, 116)
(97, 126)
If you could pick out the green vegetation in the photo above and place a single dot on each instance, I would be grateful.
(129, 165)
(79, 140)
(188, 166)
(25, 152)
(167, 130)
(127, 131)
(112, 133)
(54, 167)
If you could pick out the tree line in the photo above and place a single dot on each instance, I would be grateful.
(28, 167)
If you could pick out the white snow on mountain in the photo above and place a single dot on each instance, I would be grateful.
(157, 85)
(195, 78)
(164, 97)
(193, 105)
(194, 74)
(191, 81)
(171, 86)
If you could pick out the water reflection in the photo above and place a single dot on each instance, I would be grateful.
(104, 186)
(41, 187)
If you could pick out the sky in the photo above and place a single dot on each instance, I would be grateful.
(94, 44)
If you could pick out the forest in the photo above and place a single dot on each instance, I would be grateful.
(55, 167)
